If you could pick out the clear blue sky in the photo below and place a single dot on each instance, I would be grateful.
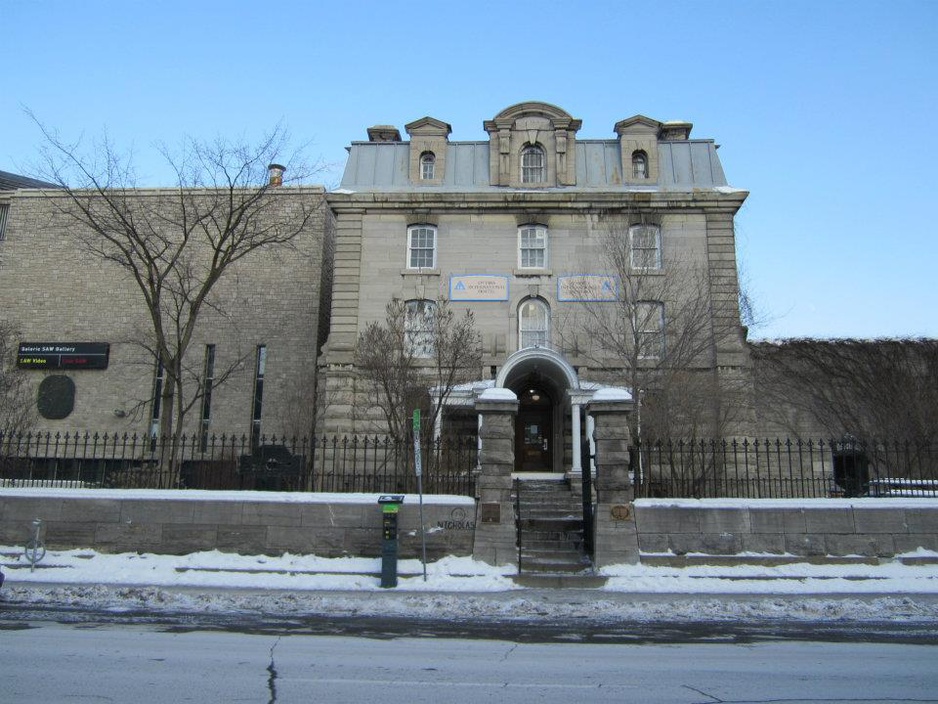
(823, 109)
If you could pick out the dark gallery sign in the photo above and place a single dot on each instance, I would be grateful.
(63, 355)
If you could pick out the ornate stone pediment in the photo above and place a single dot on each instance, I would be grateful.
(532, 124)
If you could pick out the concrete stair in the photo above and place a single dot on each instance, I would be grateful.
(550, 529)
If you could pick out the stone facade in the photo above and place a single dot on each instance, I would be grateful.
(55, 290)
(482, 198)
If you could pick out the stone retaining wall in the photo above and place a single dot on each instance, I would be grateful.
(805, 527)
(179, 522)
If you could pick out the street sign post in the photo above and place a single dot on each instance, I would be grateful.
(418, 468)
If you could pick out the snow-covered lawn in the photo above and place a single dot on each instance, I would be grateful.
(463, 588)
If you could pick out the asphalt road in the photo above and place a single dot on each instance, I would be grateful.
(527, 629)
(45, 661)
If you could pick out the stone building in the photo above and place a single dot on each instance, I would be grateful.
(261, 327)
(517, 227)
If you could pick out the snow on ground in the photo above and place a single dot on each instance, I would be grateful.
(459, 587)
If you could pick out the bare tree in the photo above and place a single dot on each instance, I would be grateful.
(868, 389)
(17, 406)
(177, 244)
(657, 329)
(415, 350)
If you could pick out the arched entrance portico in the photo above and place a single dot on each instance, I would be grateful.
(547, 388)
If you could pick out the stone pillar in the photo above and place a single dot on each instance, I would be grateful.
(615, 539)
(495, 532)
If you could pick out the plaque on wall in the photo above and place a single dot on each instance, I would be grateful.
(63, 355)
(586, 288)
(478, 288)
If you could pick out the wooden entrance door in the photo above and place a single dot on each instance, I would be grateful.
(534, 432)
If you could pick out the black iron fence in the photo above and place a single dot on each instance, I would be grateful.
(326, 464)
(714, 468)
(784, 468)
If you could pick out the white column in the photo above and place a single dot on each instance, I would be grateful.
(577, 467)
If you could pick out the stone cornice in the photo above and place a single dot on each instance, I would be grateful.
(547, 201)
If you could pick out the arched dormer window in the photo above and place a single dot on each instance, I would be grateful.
(639, 165)
(427, 166)
(533, 323)
(533, 164)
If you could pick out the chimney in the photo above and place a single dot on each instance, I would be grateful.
(276, 174)
(384, 133)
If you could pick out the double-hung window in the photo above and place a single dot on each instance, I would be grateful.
(649, 329)
(419, 323)
(639, 165)
(421, 247)
(533, 323)
(427, 166)
(645, 247)
(532, 247)
(533, 164)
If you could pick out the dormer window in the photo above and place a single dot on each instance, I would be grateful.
(427, 166)
(639, 165)
(533, 164)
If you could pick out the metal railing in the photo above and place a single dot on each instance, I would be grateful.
(784, 468)
(325, 464)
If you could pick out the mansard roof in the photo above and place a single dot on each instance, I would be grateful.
(683, 164)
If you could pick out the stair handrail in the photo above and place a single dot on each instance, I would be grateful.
(518, 527)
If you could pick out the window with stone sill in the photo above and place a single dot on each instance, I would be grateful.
(532, 247)
(649, 329)
(427, 166)
(645, 247)
(419, 320)
(533, 323)
(639, 165)
(533, 164)
(421, 247)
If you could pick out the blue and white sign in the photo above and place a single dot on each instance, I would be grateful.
(478, 287)
(586, 288)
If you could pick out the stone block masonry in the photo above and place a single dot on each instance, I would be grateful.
(248, 522)
(815, 528)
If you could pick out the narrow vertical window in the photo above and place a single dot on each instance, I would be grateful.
(427, 166)
(208, 382)
(649, 329)
(257, 408)
(645, 246)
(156, 409)
(533, 164)
(421, 247)
(4, 212)
(532, 247)
(639, 165)
(533, 323)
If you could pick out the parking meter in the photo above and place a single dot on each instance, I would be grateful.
(390, 504)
